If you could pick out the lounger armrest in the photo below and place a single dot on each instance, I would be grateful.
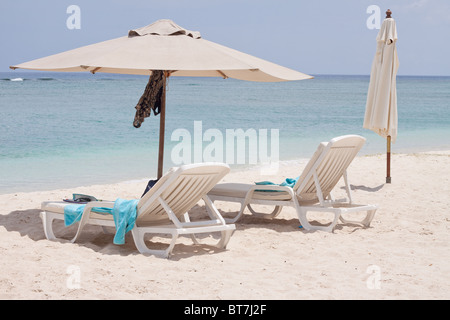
(106, 204)
(250, 192)
(98, 204)
(270, 187)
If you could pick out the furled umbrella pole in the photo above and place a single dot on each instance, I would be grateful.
(381, 106)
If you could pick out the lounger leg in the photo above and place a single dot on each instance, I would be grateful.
(187, 219)
(337, 215)
(238, 216)
(276, 211)
(365, 222)
(301, 212)
(226, 236)
(47, 221)
(368, 219)
(227, 220)
(209, 210)
(84, 220)
(138, 237)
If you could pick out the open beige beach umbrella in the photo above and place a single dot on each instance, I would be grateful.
(381, 106)
(167, 47)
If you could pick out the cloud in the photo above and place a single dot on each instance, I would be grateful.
(417, 4)
(434, 12)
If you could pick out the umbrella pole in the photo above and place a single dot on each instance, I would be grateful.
(388, 159)
(162, 125)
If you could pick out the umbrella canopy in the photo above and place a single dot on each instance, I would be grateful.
(163, 46)
(381, 106)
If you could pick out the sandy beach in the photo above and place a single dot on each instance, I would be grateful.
(403, 255)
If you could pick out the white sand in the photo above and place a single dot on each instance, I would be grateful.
(405, 254)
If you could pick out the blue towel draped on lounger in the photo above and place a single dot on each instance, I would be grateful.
(124, 213)
(289, 182)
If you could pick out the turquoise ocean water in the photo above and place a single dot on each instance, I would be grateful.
(62, 130)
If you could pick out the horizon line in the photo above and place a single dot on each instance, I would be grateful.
(313, 74)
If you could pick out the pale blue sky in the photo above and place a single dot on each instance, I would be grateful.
(315, 37)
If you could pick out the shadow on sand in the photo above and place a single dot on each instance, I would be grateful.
(28, 224)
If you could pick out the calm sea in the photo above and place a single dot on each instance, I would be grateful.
(62, 130)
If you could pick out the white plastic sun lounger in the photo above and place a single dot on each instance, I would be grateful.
(312, 192)
(163, 209)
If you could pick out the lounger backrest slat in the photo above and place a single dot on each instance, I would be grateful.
(175, 197)
(188, 185)
(197, 190)
(181, 188)
(334, 168)
(339, 161)
(329, 164)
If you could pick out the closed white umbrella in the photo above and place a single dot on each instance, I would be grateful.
(381, 106)
(163, 45)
